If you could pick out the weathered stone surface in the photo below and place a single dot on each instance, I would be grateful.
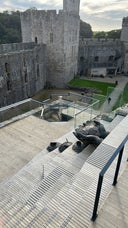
(60, 32)
(100, 53)
(25, 68)
(23, 71)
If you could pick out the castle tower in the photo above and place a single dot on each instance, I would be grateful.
(71, 6)
(71, 37)
(124, 39)
(60, 33)
(124, 32)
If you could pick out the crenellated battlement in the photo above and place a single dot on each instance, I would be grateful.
(41, 13)
(69, 6)
(16, 47)
(99, 42)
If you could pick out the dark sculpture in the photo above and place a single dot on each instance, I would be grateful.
(78, 146)
(61, 147)
(52, 146)
(64, 146)
(91, 132)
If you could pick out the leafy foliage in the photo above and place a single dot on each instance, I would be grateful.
(85, 30)
(113, 34)
(100, 34)
(10, 28)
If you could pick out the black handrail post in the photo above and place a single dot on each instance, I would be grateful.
(118, 167)
(99, 186)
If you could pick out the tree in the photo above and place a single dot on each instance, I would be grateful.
(10, 27)
(100, 34)
(32, 9)
(114, 34)
(85, 30)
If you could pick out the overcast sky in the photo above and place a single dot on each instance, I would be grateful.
(102, 15)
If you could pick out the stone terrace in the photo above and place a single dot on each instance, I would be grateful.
(54, 189)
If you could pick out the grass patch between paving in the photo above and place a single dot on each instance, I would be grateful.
(101, 87)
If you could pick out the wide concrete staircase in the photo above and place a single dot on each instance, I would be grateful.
(54, 189)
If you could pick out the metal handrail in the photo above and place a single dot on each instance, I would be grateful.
(119, 151)
(90, 106)
(83, 110)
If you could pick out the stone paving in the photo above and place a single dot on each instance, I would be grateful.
(61, 195)
(23, 139)
(107, 106)
(121, 82)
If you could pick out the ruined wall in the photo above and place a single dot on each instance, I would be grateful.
(99, 53)
(22, 71)
(57, 31)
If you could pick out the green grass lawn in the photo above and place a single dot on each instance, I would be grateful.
(101, 87)
(125, 94)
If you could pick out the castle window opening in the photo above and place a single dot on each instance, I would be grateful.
(38, 71)
(24, 62)
(111, 58)
(8, 85)
(36, 40)
(7, 68)
(25, 76)
(82, 59)
(96, 58)
(51, 37)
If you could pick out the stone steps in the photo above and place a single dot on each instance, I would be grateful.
(63, 198)
(69, 164)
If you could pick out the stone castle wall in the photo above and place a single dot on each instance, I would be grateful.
(6, 48)
(124, 39)
(52, 55)
(100, 53)
(22, 71)
(124, 32)
(125, 48)
(71, 6)
(60, 32)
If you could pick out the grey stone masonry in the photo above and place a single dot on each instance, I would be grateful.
(96, 53)
(124, 38)
(22, 71)
(124, 32)
(60, 32)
